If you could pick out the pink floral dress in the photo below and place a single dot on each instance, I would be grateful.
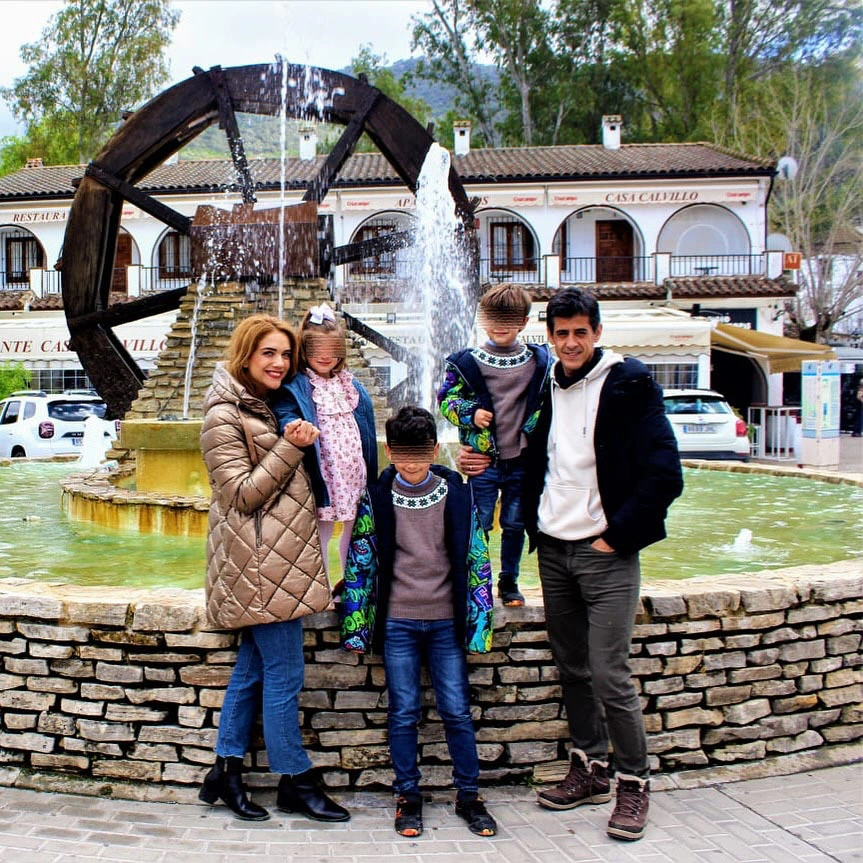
(342, 465)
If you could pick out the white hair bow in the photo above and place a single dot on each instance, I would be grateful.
(321, 313)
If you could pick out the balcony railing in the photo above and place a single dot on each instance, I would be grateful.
(14, 282)
(527, 271)
(611, 269)
(392, 277)
(156, 279)
(717, 265)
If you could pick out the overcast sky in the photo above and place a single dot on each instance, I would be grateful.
(325, 33)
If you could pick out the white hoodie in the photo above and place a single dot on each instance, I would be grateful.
(570, 506)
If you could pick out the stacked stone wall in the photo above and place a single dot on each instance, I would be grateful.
(111, 691)
(217, 314)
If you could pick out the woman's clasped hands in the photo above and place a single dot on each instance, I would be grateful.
(301, 433)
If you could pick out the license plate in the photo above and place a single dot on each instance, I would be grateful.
(77, 441)
(705, 429)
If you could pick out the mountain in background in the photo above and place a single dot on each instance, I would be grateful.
(262, 134)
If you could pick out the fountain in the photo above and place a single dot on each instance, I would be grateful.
(743, 541)
(249, 259)
(440, 289)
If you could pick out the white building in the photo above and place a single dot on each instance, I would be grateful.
(643, 226)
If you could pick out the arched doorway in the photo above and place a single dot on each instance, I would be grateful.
(600, 244)
(125, 257)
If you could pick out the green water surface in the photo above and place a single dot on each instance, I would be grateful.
(793, 521)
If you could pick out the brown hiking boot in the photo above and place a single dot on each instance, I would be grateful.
(630, 812)
(582, 784)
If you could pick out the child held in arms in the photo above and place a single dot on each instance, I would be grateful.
(492, 395)
(418, 588)
(326, 394)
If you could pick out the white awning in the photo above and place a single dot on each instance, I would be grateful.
(41, 339)
(642, 328)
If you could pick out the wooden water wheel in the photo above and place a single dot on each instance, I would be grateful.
(161, 128)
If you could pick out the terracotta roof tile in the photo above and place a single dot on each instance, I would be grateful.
(13, 301)
(695, 288)
(705, 287)
(48, 303)
(622, 291)
(516, 164)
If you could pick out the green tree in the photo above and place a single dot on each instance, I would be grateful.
(374, 68)
(759, 37)
(13, 376)
(518, 34)
(815, 115)
(52, 140)
(667, 49)
(448, 39)
(95, 59)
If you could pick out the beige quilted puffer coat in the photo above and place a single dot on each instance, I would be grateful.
(264, 559)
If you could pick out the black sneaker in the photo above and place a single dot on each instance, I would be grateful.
(472, 809)
(409, 815)
(509, 593)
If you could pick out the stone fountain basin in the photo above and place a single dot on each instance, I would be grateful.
(167, 456)
(165, 491)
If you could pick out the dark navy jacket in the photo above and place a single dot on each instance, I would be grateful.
(464, 390)
(294, 401)
(637, 462)
(368, 576)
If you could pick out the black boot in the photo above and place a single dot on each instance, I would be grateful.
(302, 793)
(225, 782)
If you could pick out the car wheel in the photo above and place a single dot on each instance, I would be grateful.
(18, 452)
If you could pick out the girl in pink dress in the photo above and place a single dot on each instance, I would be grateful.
(344, 458)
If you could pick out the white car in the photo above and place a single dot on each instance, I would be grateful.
(35, 424)
(705, 426)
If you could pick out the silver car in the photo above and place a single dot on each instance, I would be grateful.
(705, 425)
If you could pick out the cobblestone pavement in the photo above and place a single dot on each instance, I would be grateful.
(812, 816)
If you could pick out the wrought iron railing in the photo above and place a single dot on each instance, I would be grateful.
(157, 279)
(717, 265)
(492, 271)
(609, 269)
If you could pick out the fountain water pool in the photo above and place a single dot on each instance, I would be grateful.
(38, 541)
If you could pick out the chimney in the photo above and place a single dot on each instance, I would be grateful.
(461, 133)
(34, 163)
(308, 143)
(611, 124)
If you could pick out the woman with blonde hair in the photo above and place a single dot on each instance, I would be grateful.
(264, 567)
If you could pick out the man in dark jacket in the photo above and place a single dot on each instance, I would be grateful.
(602, 470)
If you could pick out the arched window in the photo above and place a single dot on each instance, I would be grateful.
(511, 243)
(23, 253)
(175, 256)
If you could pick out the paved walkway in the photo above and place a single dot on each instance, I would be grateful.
(813, 816)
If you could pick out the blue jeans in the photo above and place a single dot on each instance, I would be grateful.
(269, 663)
(505, 477)
(406, 644)
(590, 599)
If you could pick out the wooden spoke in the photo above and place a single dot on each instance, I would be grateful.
(351, 252)
(319, 187)
(228, 122)
(162, 127)
(142, 200)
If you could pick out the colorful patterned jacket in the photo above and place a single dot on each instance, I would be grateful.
(464, 391)
(369, 568)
